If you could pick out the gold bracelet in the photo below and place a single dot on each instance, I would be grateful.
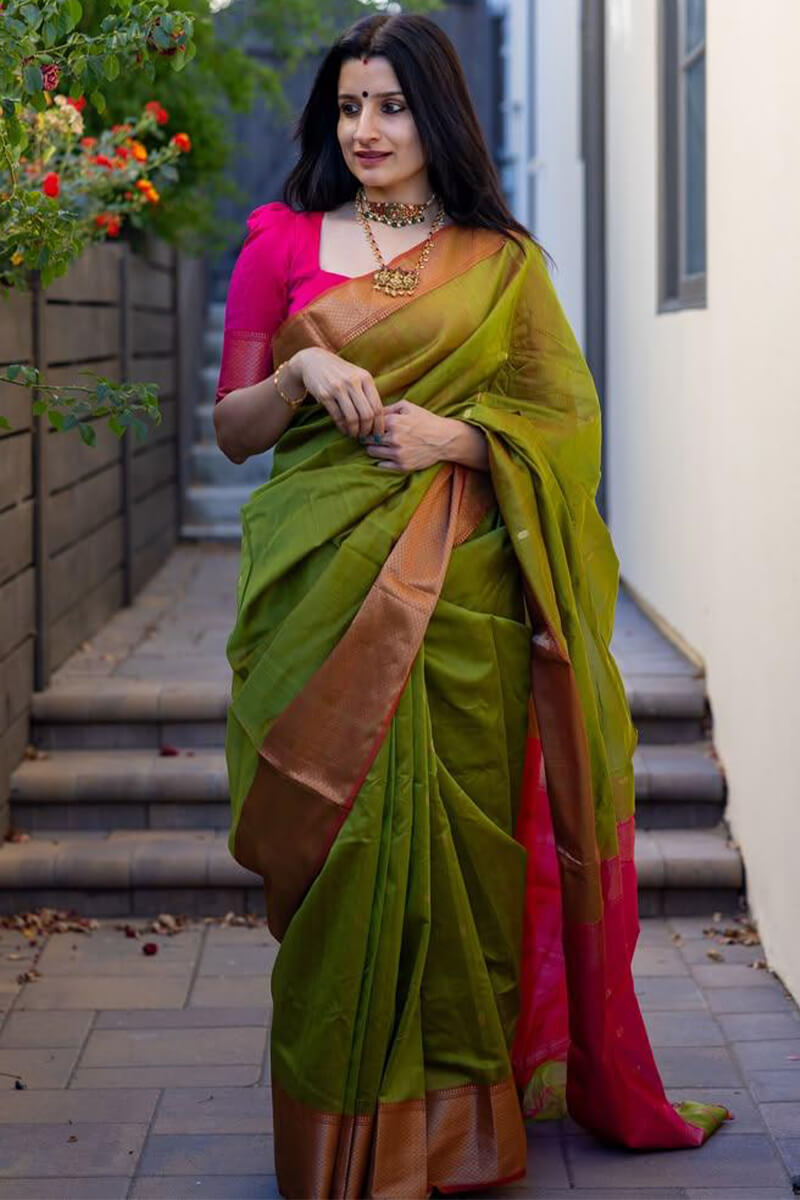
(293, 404)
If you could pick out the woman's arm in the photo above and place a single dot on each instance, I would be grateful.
(249, 420)
(467, 445)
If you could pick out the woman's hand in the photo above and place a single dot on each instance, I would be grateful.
(416, 438)
(346, 391)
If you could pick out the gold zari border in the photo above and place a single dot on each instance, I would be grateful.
(463, 1137)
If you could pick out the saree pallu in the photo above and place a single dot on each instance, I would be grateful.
(430, 755)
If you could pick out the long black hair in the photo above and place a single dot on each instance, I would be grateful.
(424, 59)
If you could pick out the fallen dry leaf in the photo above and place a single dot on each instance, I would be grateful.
(150, 948)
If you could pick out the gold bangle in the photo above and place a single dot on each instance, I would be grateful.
(293, 403)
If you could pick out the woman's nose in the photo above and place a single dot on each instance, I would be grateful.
(365, 128)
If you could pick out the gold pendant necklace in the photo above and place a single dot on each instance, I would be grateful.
(396, 281)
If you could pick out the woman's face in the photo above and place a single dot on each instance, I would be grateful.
(377, 133)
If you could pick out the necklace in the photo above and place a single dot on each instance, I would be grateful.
(397, 281)
(395, 212)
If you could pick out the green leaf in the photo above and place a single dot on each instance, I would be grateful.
(38, 407)
(9, 108)
(55, 418)
(111, 66)
(4, 423)
(32, 15)
(116, 426)
(88, 433)
(98, 100)
(13, 371)
(161, 39)
(74, 10)
(49, 33)
(32, 78)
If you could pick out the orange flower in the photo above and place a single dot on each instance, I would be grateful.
(120, 128)
(138, 151)
(51, 184)
(88, 142)
(148, 191)
(182, 141)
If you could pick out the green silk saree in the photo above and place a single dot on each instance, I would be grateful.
(430, 750)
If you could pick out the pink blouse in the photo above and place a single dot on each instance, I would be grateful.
(277, 272)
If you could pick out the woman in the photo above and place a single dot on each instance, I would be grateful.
(429, 745)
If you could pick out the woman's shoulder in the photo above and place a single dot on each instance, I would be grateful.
(277, 217)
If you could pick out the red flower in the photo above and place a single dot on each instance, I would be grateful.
(120, 128)
(102, 160)
(80, 103)
(160, 114)
(182, 141)
(50, 184)
(121, 152)
(111, 222)
(51, 73)
(88, 142)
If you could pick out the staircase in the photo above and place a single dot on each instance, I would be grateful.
(128, 808)
(217, 487)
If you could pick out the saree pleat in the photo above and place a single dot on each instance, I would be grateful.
(430, 756)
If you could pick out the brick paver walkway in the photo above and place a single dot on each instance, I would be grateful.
(147, 1076)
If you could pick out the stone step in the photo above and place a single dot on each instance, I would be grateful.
(212, 344)
(110, 712)
(121, 789)
(680, 872)
(218, 531)
(209, 377)
(206, 504)
(676, 787)
(130, 714)
(204, 433)
(127, 873)
(208, 465)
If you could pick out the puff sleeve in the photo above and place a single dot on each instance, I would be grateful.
(257, 300)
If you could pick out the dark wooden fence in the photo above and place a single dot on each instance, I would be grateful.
(82, 528)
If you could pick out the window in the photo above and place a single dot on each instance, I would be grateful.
(682, 154)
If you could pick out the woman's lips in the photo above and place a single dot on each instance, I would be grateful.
(369, 159)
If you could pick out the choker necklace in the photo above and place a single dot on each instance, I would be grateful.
(394, 212)
(397, 281)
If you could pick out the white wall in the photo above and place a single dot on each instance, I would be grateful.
(555, 112)
(559, 168)
(703, 416)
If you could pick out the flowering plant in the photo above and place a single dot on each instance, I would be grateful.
(97, 183)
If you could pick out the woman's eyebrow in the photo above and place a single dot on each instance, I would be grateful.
(381, 95)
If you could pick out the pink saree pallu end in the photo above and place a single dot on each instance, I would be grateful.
(430, 756)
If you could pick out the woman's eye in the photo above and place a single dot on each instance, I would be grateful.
(391, 107)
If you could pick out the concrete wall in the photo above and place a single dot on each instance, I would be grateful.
(703, 415)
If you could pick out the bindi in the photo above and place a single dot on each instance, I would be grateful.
(365, 94)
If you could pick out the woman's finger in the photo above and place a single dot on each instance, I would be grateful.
(379, 451)
(349, 412)
(331, 406)
(363, 408)
(376, 404)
